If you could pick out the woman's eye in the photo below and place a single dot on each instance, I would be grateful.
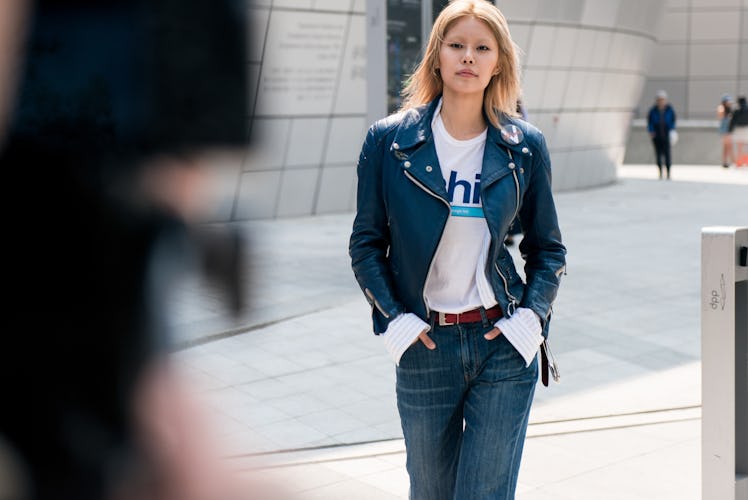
(483, 47)
(455, 45)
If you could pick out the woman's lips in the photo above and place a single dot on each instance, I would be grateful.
(467, 73)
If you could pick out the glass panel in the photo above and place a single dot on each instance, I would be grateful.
(438, 6)
(403, 46)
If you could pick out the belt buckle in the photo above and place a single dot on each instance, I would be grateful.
(443, 320)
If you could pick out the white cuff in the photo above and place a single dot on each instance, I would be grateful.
(523, 331)
(401, 332)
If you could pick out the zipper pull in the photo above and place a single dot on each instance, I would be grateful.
(552, 365)
(561, 271)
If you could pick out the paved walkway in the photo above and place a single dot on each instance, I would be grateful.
(304, 394)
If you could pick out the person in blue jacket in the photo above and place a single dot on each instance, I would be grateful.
(660, 123)
(439, 184)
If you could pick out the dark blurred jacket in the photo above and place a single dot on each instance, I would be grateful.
(740, 115)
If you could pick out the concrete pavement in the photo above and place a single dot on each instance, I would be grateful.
(303, 393)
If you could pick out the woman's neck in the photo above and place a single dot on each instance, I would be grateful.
(463, 116)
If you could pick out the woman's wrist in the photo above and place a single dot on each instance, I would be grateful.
(401, 333)
(524, 331)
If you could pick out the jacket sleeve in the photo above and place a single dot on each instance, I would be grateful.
(541, 246)
(650, 122)
(370, 238)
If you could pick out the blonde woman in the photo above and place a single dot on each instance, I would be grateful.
(439, 184)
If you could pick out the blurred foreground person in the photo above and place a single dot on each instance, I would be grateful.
(111, 111)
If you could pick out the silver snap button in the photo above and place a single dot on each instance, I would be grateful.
(512, 165)
(428, 168)
(525, 150)
(406, 164)
(521, 170)
(395, 145)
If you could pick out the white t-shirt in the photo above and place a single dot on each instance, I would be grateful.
(453, 284)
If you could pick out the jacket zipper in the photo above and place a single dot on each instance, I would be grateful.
(516, 183)
(431, 262)
(376, 303)
(552, 364)
(512, 298)
(561, 270)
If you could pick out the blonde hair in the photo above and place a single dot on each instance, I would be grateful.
(503, 90)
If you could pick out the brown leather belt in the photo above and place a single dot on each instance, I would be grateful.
(548, 365)
(474, 316)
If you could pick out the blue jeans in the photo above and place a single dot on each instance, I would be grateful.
(464, 409)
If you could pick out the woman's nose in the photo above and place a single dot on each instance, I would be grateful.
(467, 58)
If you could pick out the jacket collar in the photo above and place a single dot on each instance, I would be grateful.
(415, 129)
(413, 145)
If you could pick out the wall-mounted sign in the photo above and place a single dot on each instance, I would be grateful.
(301, 63)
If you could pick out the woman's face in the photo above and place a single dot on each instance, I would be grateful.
(468, 58)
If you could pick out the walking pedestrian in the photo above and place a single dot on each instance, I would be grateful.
(724, 114)
(739, 129)
(439, 184)
(661, 126)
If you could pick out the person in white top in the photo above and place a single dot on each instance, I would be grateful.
(439, 184)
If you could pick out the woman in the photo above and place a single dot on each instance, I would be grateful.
(724, 114)
(439, 184)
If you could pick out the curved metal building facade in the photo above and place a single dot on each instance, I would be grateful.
(585, 65)
(321, 70)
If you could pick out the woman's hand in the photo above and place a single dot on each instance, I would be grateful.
(427, 341)
(495, 332)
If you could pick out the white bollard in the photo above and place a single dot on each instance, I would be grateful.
(724, 363)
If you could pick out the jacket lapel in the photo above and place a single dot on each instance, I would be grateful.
(498, 155)
(413, 146)
(425, 168)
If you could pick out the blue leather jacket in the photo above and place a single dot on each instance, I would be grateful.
(402, 209)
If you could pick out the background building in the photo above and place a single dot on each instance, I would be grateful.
(702, 53)
(308, 94)
(584, 67)
(325, 69)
